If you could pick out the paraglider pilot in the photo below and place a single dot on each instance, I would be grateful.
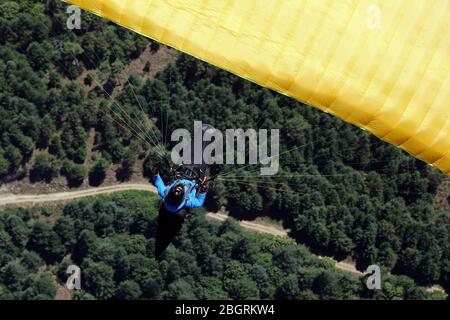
(178, 198)
(180, 195)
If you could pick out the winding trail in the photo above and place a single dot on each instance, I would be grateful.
(12, 199)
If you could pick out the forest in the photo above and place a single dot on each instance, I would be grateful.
(341, 192)
(111, 238)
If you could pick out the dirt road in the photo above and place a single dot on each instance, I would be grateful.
(249, 225)
(65, 196)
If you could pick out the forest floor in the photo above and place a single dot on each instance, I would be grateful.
(442, 199)
(158, 61)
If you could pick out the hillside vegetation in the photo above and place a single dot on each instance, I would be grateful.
(111, 238)
(44, 102)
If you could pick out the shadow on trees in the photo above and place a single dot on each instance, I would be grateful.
(74, 183)
(123, 174)
(95, 180)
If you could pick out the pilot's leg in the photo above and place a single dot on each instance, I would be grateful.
(169, 224)
(184, 213)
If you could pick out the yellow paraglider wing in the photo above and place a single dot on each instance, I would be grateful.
(381, 65)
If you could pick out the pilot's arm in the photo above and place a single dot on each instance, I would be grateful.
(196, 201)
(159, 183)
